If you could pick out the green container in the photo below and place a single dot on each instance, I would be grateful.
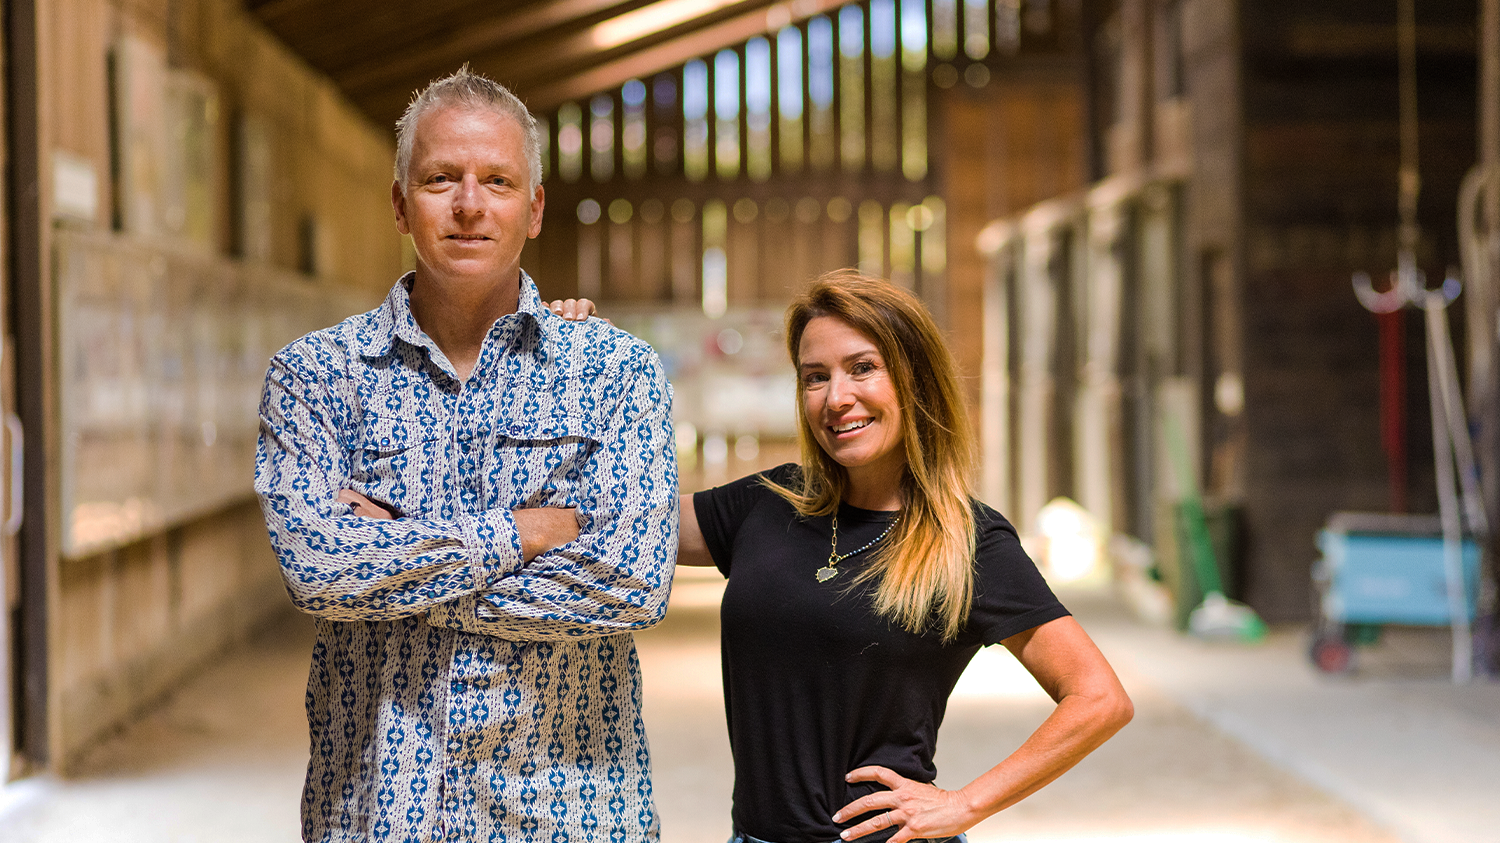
(1175, 565)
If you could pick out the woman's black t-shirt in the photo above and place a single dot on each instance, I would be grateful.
(815, 684)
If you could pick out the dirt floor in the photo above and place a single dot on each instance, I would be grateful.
(1167, 778)
(222, 761)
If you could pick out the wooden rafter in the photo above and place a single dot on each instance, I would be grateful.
(563, 20)
(546, 50)
(644, 62)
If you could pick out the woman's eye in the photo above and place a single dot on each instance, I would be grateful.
(863, 367)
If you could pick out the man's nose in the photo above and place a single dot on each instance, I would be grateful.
(467, 201)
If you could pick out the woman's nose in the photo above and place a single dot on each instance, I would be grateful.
(840, 393)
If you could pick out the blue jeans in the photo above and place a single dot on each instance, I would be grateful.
(738, 836)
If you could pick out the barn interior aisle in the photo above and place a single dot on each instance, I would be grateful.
(1145, 228)
(1225, 748)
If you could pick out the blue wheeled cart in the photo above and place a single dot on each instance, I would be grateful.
(1379, 569)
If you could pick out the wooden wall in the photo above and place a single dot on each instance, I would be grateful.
(127, 624)
(331, 164)
(1002, 148)
(1319, 166)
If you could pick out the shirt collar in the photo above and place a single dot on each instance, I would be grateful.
(393, 320)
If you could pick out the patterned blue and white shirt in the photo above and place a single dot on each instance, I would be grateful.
(457, 693)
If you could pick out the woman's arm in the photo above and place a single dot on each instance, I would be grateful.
(691, 548)
(1091, 706)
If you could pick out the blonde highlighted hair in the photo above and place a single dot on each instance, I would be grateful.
(925, 570)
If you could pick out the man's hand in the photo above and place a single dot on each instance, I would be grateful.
(365, 507)
(920, 811)
(575, 310)
(544, 528)
(541, 528)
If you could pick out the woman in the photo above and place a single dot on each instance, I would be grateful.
(864, 580)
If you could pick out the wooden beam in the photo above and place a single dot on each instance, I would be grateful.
(26, 232)
(499, 33)
(1373, 40)
(346, 33)
(533, 64)
(264, 9)
(1483, 367)
(676, 51)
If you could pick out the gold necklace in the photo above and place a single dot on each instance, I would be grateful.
(828, 571)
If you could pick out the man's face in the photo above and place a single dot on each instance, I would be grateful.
(468, 204)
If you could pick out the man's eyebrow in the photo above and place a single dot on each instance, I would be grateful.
(452, 166)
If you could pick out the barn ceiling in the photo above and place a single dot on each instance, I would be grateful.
(547, 51)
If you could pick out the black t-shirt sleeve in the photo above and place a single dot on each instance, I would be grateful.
(1010, 594)
(722, 510)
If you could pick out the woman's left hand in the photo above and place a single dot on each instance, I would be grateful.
(921, 811)
(575, 310)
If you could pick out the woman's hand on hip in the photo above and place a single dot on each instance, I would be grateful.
(919, 810)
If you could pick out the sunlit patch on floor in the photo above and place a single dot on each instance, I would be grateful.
(697, 588)
(1205, 835)
(995, 674)
(14, 796)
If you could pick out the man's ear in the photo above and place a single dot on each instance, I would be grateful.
(398, 202)
(538, 203)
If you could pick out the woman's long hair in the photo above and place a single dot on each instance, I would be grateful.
(925, 571)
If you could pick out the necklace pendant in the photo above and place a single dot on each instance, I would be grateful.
(826, 573)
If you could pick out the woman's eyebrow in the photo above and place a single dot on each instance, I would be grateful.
(848, 358)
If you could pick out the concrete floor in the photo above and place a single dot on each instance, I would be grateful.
(1230, 745)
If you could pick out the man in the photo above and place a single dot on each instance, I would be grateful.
(477, 500)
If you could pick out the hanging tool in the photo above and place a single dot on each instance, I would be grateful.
(1450, 433)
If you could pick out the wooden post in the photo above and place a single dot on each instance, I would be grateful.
(1488, 446)
(26, 270)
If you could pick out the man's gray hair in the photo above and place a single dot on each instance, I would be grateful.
(467, 89)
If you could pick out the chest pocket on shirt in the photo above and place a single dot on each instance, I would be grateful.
(539, 461)
(393, 453)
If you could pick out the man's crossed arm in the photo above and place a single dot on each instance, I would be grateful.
(530, 574)
(541, 528)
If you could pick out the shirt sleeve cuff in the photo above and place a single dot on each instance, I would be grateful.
(494, 546)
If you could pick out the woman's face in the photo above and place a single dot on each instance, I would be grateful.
(850, 398)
